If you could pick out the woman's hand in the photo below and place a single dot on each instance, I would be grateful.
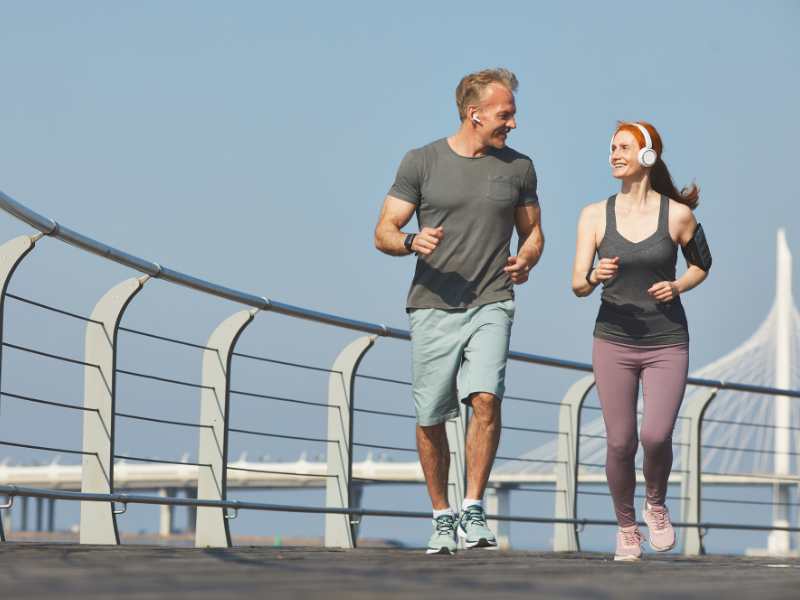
(664, 291)
(605, 270)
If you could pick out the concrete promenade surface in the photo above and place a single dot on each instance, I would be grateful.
(29, 570)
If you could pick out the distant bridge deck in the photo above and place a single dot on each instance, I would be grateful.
(62, 570)
(303, 474)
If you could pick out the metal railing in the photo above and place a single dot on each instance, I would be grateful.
(342, 509)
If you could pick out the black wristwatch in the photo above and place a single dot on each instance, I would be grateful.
(409, 241)
(589, 277)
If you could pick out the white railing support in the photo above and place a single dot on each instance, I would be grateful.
(212, 526)
(98, 522)
(695, 409)
(498, 502)
(456, 430)
(341, 530)
(11, 255)
(565, 535)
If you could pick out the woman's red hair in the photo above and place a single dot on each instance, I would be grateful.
(660, 178)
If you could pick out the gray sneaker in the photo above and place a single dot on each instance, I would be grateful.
(473, 530)
(443, 540)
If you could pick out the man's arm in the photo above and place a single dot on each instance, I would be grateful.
(389, 238)
(528, 220)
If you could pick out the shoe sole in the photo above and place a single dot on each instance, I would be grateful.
(661, 549)
(442, 550)
(627, 558)
(664, 549)
(481, 543)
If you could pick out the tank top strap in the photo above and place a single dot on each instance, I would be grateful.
(611, 213)
(663, 216)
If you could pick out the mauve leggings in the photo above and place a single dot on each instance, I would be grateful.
(617, 370)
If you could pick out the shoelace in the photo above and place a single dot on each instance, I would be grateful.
(475, 515)
(631, 538)
(445, 524)
(661, 517)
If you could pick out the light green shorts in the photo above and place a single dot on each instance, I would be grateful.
(457, 353)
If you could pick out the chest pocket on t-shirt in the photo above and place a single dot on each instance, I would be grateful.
(502, 189)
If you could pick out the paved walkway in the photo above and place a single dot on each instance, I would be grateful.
(132, 572)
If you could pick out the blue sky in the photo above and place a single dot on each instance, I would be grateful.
(252, 144)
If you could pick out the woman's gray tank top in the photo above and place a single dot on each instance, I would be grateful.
(628, 314)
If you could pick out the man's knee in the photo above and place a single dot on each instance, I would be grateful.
(485, 407)
(433, 434)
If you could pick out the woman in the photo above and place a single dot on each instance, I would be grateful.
(641, 331)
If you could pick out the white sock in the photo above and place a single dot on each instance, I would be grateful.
(470, 502)
(444, 511)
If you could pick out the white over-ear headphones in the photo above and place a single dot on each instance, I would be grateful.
(647, 156)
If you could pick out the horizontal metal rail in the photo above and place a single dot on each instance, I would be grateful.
(539, 490)
(381, 447)
(65, 359)
(280, 399)
(532, 430)
(384, 413)
(383, 379)
(46, 448)
(750, 424)
(283, 436)
(47, 402)
(162, 421)
(54, 229)
(533, 400)
(53, 309)
(285, 363)
(165, 379)
(289, 473)
(159, 461)
(164, 338)
(12, 490)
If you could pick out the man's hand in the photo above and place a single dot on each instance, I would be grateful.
(664, 291)
(427, 240)
(517, 269)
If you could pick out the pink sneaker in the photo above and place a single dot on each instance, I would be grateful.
(660, 532)
(629, 544)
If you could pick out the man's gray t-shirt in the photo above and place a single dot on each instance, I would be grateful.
(474, 200)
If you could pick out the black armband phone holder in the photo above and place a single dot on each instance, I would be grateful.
(696, 251)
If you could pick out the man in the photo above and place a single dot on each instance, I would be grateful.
(468, 191)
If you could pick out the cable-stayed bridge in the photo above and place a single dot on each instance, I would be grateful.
(738, 427)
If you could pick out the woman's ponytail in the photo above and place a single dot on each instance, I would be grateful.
(661, 181)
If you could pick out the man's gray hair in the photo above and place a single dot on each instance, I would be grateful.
(471, 87)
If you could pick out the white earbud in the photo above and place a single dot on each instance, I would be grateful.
(475, 119)
(647, 156)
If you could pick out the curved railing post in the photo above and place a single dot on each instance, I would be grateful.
(212, 525)
(340, 530)
(98, 521)
(456, 430)
(695, 409)
(498, 502)
(565, 535)
(11, 254)
(5, 517)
